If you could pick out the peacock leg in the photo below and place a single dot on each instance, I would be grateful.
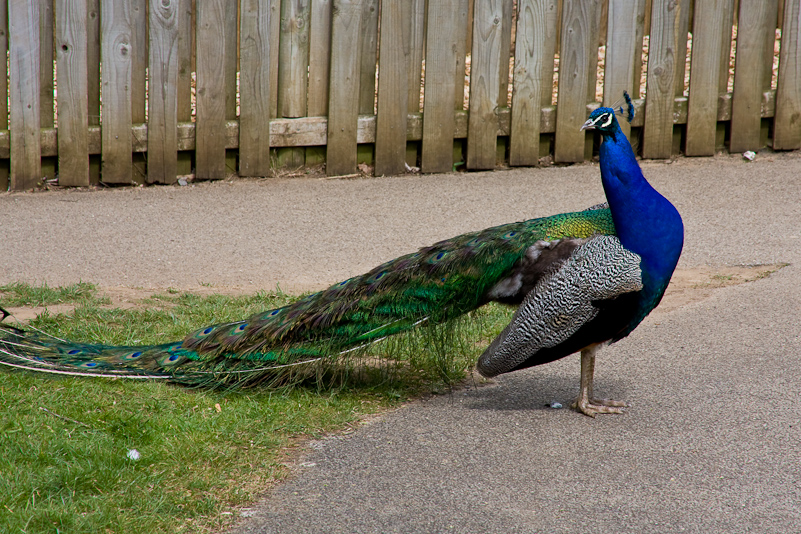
(585, 403)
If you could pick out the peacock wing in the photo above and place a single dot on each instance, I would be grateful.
(563, 301)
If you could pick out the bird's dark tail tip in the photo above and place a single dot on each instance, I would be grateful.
(625, 108)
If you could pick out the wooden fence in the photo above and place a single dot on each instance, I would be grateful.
(144, 91)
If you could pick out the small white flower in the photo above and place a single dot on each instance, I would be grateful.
(133, 454)
(749, 155)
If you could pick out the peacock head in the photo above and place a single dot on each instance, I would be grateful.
(604, 120)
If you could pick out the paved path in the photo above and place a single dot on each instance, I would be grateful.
(711, 443)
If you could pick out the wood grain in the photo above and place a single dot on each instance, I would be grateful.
(211, 97)
(746, 119)
(25, 143)
(787, 125)
(524, 147)
(623, 52)
(660, 90)
(343, 99)
(576, 48)
(254, 87)
(162, 124)
(116, 55)
(704, 72)
(390, 140)
(438, 109)
(484, 84)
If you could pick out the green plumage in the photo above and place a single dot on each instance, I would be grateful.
(434, 285)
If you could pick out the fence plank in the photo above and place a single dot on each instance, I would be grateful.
(417, 12)
(482, 123)
(683, 26)
(725, 50)
(702, 106)
(578, 19)
(254, 88)
(787, 125)
(275, 38)
(116, 55)
(369, 55)
(293, 58)
(623, 52)
(93, 77)
(211, 101)
(26, 164)
(524, 146)
(47, 32)
(186, 38)
(746, 120)
(507, 19)
(4, 90)
(293, 63)
(549, 50)
(438, 109)
(461, 19)
(139, 59)
(319, 57)
(660, 90)
(390, 136)
(162, 124)
(343, 99)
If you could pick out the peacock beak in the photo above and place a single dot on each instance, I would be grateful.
(589, 125)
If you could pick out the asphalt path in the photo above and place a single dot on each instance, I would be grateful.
(711, 443)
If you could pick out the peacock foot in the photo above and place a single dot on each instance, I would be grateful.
(593, 407)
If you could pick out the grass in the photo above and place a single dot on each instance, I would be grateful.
(65, 465)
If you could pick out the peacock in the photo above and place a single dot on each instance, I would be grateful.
(579, 280)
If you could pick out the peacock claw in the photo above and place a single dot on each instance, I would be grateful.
(593, 407)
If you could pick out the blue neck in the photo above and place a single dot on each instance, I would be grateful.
(645, 221)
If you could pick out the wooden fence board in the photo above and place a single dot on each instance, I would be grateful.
(417, 12)
(275, 38)
(93, 77)
(390, 141)
(116, 55)
(703, 100)
(725, 50)
(507, 20)
(211, 90)
(47, 32)
(186, 56)
(162, 124)
(4, 90)
(461, 18)
(26, 164)
(746, 122)
(254, 88)
(683, 26)
(623, 52)
(787, 124)
(484, 83)
(660, 91)
(319, 57)
(293, 63)
(293, 58)
(549, 49)
(438, 109)
(343, 99)
(139, 60)
(524, 139)
(576, 49)
(369, 56)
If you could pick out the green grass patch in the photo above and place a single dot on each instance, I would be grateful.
(21, 294)
(65, 441)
